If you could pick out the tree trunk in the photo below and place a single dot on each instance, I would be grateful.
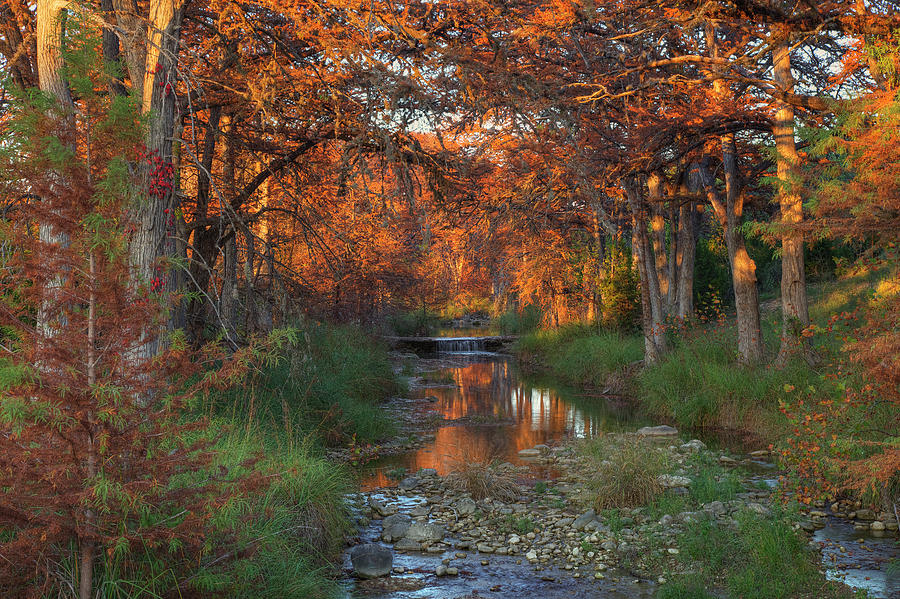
(152, 239)
(794, 307)
(685, 254)
(50, 31)
(658, 237)
(743, 269)
(651, 309)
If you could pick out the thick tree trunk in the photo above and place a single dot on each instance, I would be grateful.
(794, 307)
(685, 255)
(658, 239)
(651, 305)
(743, 269)
(154, 216)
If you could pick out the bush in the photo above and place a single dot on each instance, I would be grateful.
(418, 323)
(480, 479)
(620, 294)
(580, 355)
(328, 384)
(520, 322)
(625, 472)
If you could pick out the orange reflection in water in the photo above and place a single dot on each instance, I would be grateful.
(497, 415)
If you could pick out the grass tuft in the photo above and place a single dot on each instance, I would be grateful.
(625, 472)
(482, 480)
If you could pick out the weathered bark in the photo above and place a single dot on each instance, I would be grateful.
(111, 47)
(743, 268)
(651, 305)
(658, 237)
(50, 31)
(794, 306)
(685, 255)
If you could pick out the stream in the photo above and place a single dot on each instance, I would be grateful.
(490, 412)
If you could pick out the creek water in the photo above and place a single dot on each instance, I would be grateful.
(491, 411)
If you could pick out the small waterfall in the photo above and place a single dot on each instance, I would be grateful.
(460, 345)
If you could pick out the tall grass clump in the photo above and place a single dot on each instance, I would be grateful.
(328, 384)
(481, 479)
(285, 534)
(699, 384)
(579, 354)
(625, 472)
(520, 322)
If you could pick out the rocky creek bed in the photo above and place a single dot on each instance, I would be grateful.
(432, 538)
(421, 534)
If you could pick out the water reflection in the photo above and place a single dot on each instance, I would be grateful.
(494, 412)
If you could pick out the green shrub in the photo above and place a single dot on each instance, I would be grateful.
(620, 295)
(418, 323)
(624, 472)
(520, 322)
(329, 385)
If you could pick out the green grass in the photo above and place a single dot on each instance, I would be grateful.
(328, 385)
(762, 559)
(624, 472)
(519, 322)
(579, 354)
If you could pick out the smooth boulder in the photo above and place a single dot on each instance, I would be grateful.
(425, 532)
(371, 560)
(658, 431)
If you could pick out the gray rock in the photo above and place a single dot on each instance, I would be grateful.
(425, 532)
(529, 453)
(452, 571)
(865, 514)
(407, 545)
(380, 508)
(715, 507)
(485, 548)
(758, 508)
(395, 527)
(409, 483)
(693, 446)
(563, 522)
(371, 560)
(658, 431)
(440, 570)
(544, 449)
(427, 472)
(670, 481)
(465, 506)
(583, 520)
(419, 510)
(878, 525)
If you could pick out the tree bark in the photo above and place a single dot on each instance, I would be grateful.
(794, 307)
(651, 309)
(743, 269)
(685, 255)
(658, 237)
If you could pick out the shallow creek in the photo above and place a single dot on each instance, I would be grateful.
(490, 411)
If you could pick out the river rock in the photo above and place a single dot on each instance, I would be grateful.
(671, 481)
(395, 527)
(371, 560)
(425, 532)
(658, 431)
(407, 545)
(877, 525)
(758, 508)
(465, 506)
(380, 508)
(426, 472)
(865, 514)
(409, 483)
(531, 555)
(581, 521)
(693, 446)
(529, 453)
